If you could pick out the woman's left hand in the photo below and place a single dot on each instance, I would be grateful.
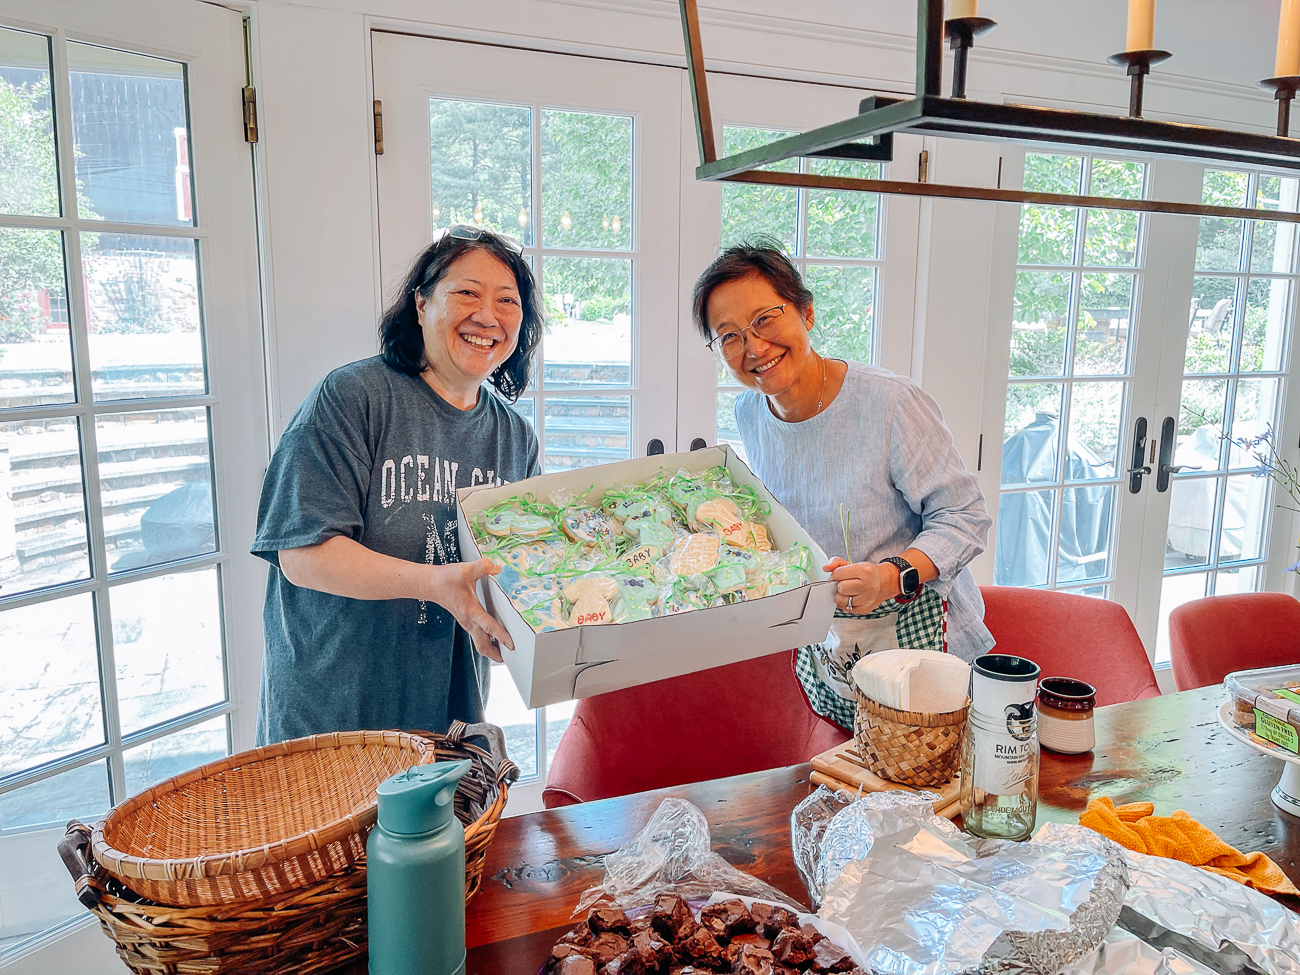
(863, 586)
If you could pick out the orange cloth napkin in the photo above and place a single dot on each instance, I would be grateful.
(1180, 837)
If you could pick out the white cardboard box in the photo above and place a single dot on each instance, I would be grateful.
(562, 665)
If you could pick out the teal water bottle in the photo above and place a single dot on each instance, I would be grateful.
(415, 874)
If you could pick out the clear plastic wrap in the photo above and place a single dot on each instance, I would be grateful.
(673, 854)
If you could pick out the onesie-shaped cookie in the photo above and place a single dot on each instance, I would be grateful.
(545, 617)
(694, 554)
(517, 523)
(638, 506)
(535, 558)
(785, 578)
(687, 494)
(587, 526)
(728, 575)
(686, 594)
(636, 596)
(649, 532)
(590, 596)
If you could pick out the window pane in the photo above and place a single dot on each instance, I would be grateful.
(727, 432)
(1209, 329)
(505, 709)
(1024, 538)
(583, 431)
(1231, 581)
(42, 505)
(1200, 422)
(1031, 433)
(1110, 239)
(843, 223)
(586, 180)
(1052, 174)
(143, 309)
(167, 646)
(155, 486)
(526, 407)
(1174, 591)
(29, 182)
(558, 717)
(1245, 518)
(1191, 514)
(1224, 189)
(1095, 429)
(1121, 180)
(1086, 517)
(844, 306)
(50, 704)
(1252, 415)
(160, 760)
(481, 166)
(749, 209)
(1039, 327)
(1047, 234)
(589, 303)
(38, 893)
(130, 128)
(1268, 302)
(35, 353)
(1219, 243)
(1273, 250)
(1105, 314)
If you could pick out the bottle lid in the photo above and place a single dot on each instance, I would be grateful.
(420, 800)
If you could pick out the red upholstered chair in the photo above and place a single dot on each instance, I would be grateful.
(1219, 634)
(743, 717)
(1072, 636)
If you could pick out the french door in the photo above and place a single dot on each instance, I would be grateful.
(132, 422)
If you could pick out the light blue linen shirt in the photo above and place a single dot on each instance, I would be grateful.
(882, 450)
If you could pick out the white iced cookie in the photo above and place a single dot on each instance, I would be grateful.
(723, 515)
(590, 596)
(694, 554)
(586, 525)
(511, 522)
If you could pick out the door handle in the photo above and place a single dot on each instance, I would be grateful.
(1137, 469)
(655, 446)
(1168, 436)
(698, 444)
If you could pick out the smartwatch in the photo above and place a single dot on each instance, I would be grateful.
(909, 579)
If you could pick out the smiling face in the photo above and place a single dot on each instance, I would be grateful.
(772, 365)
(470, 322)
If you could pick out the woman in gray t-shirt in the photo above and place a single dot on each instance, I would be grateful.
(830, 438)
(371, 620)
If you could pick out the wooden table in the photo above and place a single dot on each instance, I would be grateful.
(1168, 750)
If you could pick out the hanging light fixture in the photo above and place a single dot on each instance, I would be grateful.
(523, 218)
(436, 213)
(478, 213)
(604, 223)
(566, 221)
(618, 224)
(869, 134)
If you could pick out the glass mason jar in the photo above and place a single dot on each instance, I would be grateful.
(999, 776)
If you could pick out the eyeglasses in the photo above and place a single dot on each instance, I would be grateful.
(731, 343)
(466, 231)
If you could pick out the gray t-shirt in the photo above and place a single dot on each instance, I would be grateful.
(882, 450)
(376, 455)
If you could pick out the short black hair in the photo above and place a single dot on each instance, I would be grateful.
(402, 339)
(760, 254)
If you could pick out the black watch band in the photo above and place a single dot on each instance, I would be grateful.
(909, 578)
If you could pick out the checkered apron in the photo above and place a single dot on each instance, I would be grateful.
(825, 669)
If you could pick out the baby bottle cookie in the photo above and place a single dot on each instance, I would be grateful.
(590, 596)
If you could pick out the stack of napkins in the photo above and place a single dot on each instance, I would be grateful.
(914, 680)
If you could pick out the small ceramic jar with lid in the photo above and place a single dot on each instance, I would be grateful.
(1065, 707)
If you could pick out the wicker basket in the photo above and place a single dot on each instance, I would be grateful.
(910, 747)
(315, 928)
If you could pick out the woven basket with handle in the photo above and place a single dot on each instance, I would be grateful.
(911, 747)
(314, 928)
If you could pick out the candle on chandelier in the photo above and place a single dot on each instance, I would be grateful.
(1142, 25)
(1287, 64)
(963, 8)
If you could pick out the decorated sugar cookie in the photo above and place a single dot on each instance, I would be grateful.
(535, 558)
(727, 576)
(587, 525)
(687, 493)
(545, 617)
(694, 554)
(687, 594)
(785, 578)
(518, 523)
(651, 534)
(530, 591)
(636, 596)
(590, 596)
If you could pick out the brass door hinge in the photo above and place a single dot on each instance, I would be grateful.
(379, 127)
(923, 167)
(250, 114)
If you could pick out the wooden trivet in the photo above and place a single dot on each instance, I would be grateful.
(841, 768)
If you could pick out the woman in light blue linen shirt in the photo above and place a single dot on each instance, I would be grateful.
(828, 436)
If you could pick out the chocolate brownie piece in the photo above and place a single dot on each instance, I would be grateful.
(700, 946)
(653, 950)
(811, 933)
(563, 951)
(576, 965)
(606, 947)
(752, 960)
(672, 917)
(603, 918)
(628, 963)
(829, 957)
(791, 948)
(727, 918)
(750, 938)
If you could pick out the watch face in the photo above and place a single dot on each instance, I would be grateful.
(909, 580)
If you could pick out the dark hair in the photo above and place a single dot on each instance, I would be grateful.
(760, 254)
(402, 339)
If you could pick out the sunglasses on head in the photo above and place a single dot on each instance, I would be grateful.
(466, 231)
